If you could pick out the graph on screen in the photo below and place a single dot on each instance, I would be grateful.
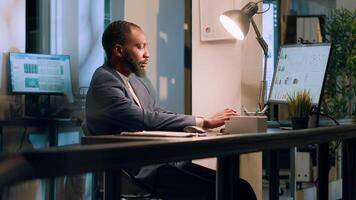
(39, 73)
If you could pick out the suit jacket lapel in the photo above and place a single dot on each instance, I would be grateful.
(112, 70)
(108, 67)
(139, 90)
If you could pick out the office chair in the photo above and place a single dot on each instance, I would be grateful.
(131, 189)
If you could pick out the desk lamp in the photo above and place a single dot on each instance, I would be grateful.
(237, 23)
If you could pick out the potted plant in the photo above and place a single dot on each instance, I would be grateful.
(339, 99)
(299, 104)
(340, 87)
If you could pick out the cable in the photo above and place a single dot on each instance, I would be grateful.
(261, 12)
(328, 116)
(338, 142)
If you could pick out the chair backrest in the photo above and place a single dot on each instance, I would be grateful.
(85, 129)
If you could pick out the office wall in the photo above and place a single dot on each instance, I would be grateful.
(225, 73)
(12, 39)
(163, 23)
(145, 16)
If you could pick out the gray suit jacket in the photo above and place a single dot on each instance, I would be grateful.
(110, 107)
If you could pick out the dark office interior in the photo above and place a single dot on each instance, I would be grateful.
(291, 51)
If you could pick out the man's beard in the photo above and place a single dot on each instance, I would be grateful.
(134, 66)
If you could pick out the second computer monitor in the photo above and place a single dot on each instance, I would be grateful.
(39, 74)
(300, 67)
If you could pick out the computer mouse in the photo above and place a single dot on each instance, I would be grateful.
(193, 129)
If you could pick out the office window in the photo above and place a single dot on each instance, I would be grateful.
(107, 12)
(270, 34)
(76, 29)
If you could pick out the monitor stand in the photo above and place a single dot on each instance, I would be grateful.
(314, 117)
(35, 108)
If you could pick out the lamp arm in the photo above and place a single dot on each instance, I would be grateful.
(264, 45)
(263, 86)
(259, 37)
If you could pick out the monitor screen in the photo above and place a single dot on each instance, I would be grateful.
(39, 73)
(300, 67)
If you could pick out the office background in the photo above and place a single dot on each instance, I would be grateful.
(74, 28)
(223, 73)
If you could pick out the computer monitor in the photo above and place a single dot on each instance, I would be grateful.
(300, 67)
(39, 74)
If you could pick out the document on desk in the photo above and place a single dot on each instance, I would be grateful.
(162, 134)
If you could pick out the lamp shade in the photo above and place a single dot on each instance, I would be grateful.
(237, 22)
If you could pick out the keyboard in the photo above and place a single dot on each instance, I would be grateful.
(284, 123)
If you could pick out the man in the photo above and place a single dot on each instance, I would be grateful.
(120, 100)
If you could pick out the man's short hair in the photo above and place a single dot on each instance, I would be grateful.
(115, 33)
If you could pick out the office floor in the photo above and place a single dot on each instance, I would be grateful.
(284, 191)
(308, 191)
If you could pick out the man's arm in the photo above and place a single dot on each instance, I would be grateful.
(110, 105)
(219, 118)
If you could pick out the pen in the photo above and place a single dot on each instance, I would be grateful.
(264, 109)
(245, 110)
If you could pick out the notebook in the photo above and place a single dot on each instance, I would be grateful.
(162, 134)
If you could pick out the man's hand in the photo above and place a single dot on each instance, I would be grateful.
(219, 118)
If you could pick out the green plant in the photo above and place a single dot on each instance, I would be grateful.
(340, 86)
(299, 103)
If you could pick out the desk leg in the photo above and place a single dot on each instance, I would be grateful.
(95, 188)
(348, 169)
(292, 179)
(53, 142)
(273, 174)
(226, 173)
(1, 139)
(112, 185)
(1, 143)
(323, 171)
(53, 136)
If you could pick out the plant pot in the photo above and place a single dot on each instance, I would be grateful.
(300, 122)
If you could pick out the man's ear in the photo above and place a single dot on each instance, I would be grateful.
(118, 50)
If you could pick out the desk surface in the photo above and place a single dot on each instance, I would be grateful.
(99, 139)
(86, 158)
(120, 138)
(274, 139)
